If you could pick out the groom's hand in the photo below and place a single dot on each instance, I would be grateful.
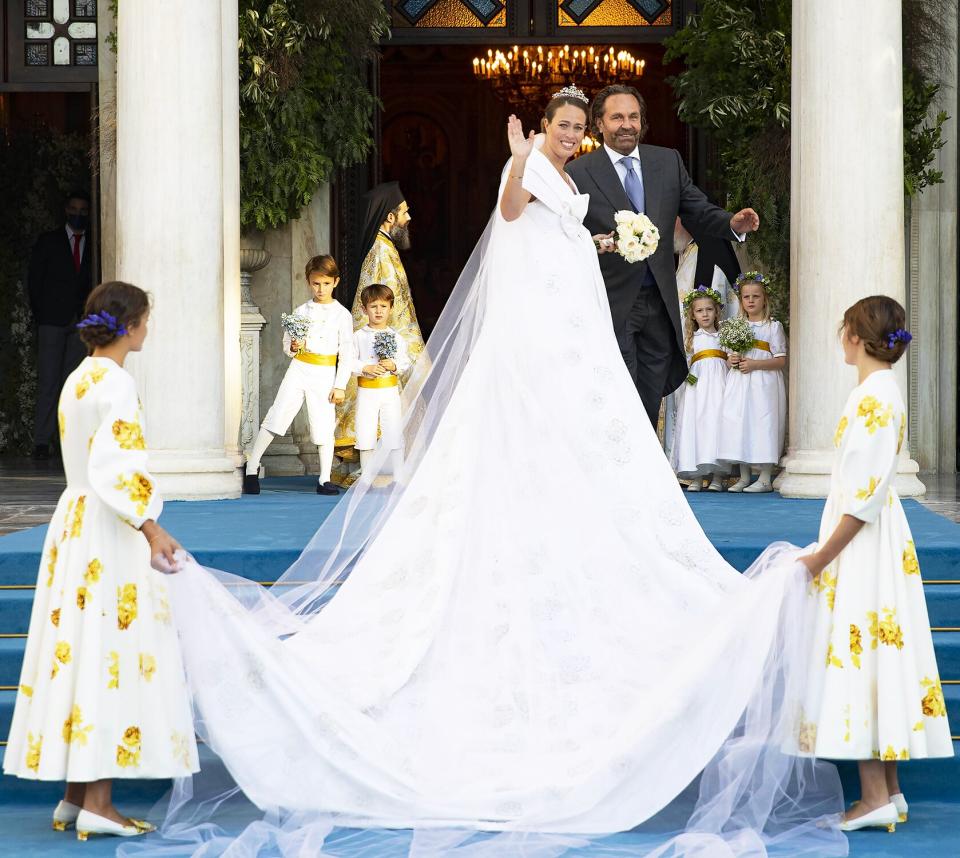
(745, 220)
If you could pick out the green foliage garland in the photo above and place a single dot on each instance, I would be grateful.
(736, 84)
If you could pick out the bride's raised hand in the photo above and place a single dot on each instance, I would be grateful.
(520, 146)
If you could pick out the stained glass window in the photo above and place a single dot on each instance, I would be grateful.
(614, 13)
(450, 14)
(60, 32)
(37, 54)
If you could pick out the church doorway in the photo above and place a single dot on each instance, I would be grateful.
(442, 136)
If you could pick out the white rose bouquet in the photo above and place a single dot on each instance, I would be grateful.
(637, 237)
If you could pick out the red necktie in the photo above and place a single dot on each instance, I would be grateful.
(76, 252)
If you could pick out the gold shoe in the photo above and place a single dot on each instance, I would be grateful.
(65, 816)
(883, 817)
(91, 823)
(900, 803)
(144, 826)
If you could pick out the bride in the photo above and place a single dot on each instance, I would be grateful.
(533, 636)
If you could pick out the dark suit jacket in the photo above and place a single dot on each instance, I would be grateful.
(58, 292)
(668, 192)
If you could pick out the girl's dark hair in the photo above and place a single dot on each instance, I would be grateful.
(874, 319)
(126, 303)
(376, 292)
(555, 103)
(598, 105)
(323, 264)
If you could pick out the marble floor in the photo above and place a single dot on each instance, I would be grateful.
(29, 491)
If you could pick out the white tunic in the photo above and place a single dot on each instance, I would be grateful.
(102, 691)
(754, 419)
(873, 689)
(378, 408)
(331, 333)
(694, 451)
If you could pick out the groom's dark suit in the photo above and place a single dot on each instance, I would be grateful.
(646, 315)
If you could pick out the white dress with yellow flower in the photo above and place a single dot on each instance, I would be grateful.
(873, 690)
(102, 691)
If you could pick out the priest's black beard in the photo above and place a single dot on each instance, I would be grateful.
(400, 236)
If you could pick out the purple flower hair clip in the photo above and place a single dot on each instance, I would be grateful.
(103, 320)
(898, 336)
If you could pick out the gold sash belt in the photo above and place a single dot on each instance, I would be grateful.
(315, 359)
(708, 353)
(379, 381)
(763, 345)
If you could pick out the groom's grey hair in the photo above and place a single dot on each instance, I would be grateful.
(600, 99)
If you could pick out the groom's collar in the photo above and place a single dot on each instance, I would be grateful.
(615, 156)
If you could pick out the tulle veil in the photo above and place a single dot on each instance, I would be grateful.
(756, 794)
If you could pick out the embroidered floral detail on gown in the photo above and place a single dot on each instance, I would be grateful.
(102, 691)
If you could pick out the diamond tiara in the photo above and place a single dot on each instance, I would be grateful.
(572, 92)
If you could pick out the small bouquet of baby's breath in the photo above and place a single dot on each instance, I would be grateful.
(296, 325)
(736, 335)
(637, 237)
(385, 345)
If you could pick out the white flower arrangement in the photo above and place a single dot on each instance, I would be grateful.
(637, 237)
(296, 325)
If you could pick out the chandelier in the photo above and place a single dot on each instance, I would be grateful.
(528, 75)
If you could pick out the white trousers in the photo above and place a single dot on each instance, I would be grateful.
(378, 406)
(308, 383)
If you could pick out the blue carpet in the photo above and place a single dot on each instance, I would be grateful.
(259, 537)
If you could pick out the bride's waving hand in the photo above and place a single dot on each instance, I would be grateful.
(515, 198)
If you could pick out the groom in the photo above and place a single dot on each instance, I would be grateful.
(623, 174)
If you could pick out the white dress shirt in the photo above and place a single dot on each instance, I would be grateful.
(71, 232)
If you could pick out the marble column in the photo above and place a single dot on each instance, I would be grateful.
(177, 221)
(251, 323)
(932, 289)
(107, 140)
(847, 221)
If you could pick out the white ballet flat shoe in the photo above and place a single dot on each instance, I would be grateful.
(738, 486)
(695, 486)
(715, 487)
(883, 817)
(759, 486)
(900, 803)
(90, 823)
(65, 816)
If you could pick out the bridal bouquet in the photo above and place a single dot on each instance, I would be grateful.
(736, 335)
(295, 324)
(385, 345)
(637, 237)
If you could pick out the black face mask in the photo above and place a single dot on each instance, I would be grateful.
(78, 221)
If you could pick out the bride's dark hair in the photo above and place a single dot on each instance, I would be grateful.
(555, 103)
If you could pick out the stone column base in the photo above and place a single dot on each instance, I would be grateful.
(806, 474)
(195, 475)
(282, 458)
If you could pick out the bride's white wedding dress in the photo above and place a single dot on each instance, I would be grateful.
(532, 632)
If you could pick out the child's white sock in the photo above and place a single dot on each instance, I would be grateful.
(326, 462)
(264, 437)
(366, 457)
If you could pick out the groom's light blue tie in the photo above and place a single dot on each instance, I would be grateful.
(632, 184)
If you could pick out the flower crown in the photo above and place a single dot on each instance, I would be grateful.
(751, 277)
(571, 92)
(702, 292)
(900, 335)
(103, 320)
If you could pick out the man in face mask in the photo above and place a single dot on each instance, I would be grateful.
(59, 281)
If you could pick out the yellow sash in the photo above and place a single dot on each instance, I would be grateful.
(379, 381)
(763, 345)
(315, 359)
(708, 353)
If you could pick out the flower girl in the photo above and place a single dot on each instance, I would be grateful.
(694, 451)
(753, 422)
(102, 693)
(873, 693)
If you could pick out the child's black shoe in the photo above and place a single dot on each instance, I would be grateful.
(251, 484)
(327, 489)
